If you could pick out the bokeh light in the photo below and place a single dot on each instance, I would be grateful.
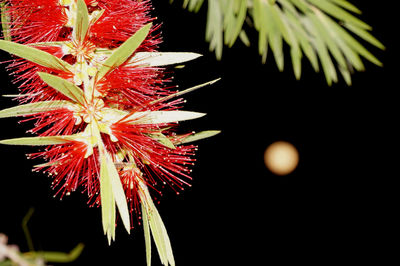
(281, 158)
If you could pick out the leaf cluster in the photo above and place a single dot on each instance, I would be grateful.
(327, 32)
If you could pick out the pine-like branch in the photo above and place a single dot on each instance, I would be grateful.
(327, 32)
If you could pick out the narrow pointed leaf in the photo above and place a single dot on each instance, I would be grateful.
(110, 185)
(238, 25)
(5, 20)
(59, 44)
(35, 55)
(346, 75)
(244, 38)
(153, 59)
(158, 230)
(365, 35)
(63, 86)
(147, 235)
(186, 91)
(60, 257)
(118, 192)
(339, 13)
(327, 35)
(82, 21)
(323, 54)
(106, 192)
(41, 141)
(122, 53)
(199, 136)
(158, 117)
(347, 5)
(107, 201)
(162, 139)
(34, 108)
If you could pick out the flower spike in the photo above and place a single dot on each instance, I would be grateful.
(92, 80)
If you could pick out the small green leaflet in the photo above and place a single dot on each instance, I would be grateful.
(41, 141)
(64, 86)
(35, 55)
(82, 21)
(34, 108)
(158, 230)
(122, 53)
(199, 136)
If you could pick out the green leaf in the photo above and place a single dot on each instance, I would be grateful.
(41, 141)
(118, 191)
(35, 55)
(323, 53)
(365, 35)
(285, 20)
(153, 59)
(300, 33)
(147, 235)
(186, 91)
(59, 257)
(82, 21)
(5, 20)
(214, 28)
(34, 108)
(199, 136)
(355, 45)
(339, 13)
(158, 229)
(272, 23)
(160, 117)
(351, 55)
(347, 5)
(244, 38)
(234, 27)
(162, 139)
(107, 200)
(122, 53)
(327, 35)
(63, 86)
(111, 190)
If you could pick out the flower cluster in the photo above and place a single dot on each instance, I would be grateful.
(94, 85)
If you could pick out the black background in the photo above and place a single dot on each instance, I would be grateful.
(337, 206)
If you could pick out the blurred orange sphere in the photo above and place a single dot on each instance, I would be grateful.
(281, 158)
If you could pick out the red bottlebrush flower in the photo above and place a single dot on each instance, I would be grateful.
(93, 84)
(35, 21)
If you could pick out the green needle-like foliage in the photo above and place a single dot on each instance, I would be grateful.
(327, 32)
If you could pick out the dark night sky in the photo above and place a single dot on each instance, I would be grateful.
(336, 206)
